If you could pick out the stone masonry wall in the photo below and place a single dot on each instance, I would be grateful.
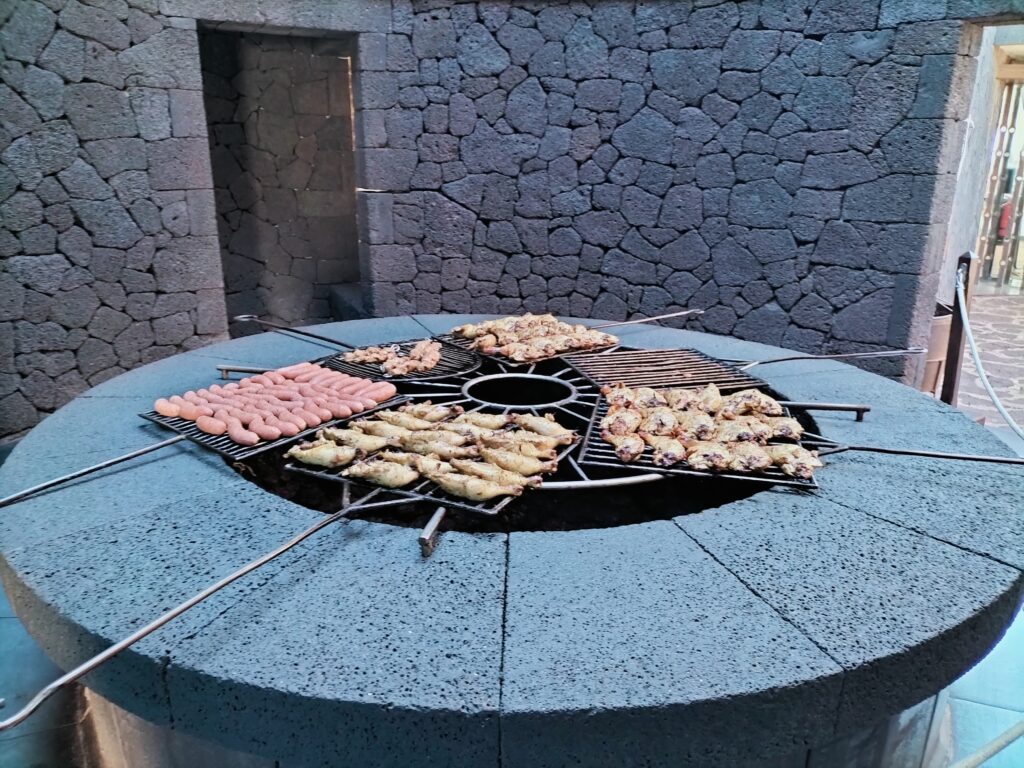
(280, 119)
(786, 165)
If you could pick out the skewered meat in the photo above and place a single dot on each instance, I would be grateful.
(694, 425)
(385, 473)
(708, 454)
(546, 426)
(794, 460)
(749, 401)
(356, 439)
(741, 429)
(621, 421)
(379, 428)
(485, 420)
(748, 457)
(322, 453)
(371, 354)
(430, 412)
(507, 441)
(667, 450)
(406, 420)
(473, 488)
(516, 462)
(493, 473)
(784, 426)
(627, 447)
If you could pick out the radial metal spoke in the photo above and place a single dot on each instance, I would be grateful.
(577, 467)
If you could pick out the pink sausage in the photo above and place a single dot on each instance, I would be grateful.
(211, 426)
(290, 370)
(286, 428)
(380, 391)
(323, 413)
(311, 419)
(191, 412)
(166, 408)
(356, 406)
(275, 377)
(338, 409)
(240, 434)
(261, 379)
(264, 431)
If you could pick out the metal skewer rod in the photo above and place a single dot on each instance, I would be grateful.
(88, 470)
(296, 331)
(746, 365)
(836, 448)
(88, 666)
(648, 319)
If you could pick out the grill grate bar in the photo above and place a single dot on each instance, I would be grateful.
(454, 360)
(662, 368)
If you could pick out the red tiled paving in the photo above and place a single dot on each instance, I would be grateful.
(998, 325)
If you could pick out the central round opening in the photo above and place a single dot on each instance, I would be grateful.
(519, 391)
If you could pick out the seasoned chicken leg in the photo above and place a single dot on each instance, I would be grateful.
(485, 420)
(694, 425)
(794, 460)
(546, 426)
(748, 457)
(430, 412)
(472, 487)
(667, 450)
(516, 462)
(385, 473)
(749, 401)
(322, 453)
(406, 420)
(493, 473)
(379, 428)
(627, 447)
(708, 454)
(784, 426)
(356, 439)
(742, 429)
(621, 420)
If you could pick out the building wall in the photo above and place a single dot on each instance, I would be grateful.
(786, 166)
(279, 113)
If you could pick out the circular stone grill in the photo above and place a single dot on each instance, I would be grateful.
(727, 636)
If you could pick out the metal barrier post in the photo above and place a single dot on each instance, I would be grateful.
(955, 347)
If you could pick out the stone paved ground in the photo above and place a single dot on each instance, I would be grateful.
(998, 323)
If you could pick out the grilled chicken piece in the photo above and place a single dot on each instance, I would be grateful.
(694, 425)
(406, 420)
(385, 473)
(356, 439)
(516, 462)
(621, 420)
(667, 450)
(485, 420)
(742, 429)
(493, 473)
(784, 426)
(794, 460)
(323, 453)
(633, 397)
(748, 457)
(627, 447)
(541, 441)
(545, 425)
(711, 399)
(645, 397)
(683, 399)
(708, 454)
(371, 354)
(472, 487)
(749, 401)
(439, 448)
(659, 421)
(441, 435)
(471, 431)
(399, 457)
(430, 412)
(379, 428)
(617, 395)
(431, 465)
(506, 441)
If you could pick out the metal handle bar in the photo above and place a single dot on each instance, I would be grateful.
(746, 365)
(88, 470)
(649, 319)
(88, 666)
(831, 446)
(296, 331)
(859, 409)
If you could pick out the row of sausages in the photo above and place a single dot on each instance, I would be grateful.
(276, 404)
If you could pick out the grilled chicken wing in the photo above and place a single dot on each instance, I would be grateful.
(430, 412)
(667, 450)
(546, 426)
(694, 425)
(406, 420)
(749, 401)
(794, 460)
(784, 426)
(517, 462)
(621, 420)
(627, 447)
(379, 428)
(385, 473)
(748, 457)
(742, 429)
(472, 487)
(356, 439)
(485, 420)
(708, 454)
(323, 453)
(493, 473)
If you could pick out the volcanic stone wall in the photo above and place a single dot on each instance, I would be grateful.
(280, 118)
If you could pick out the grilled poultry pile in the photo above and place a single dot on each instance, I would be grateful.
(530, 338)
(476, 456)
(421, 358)
(702, 429)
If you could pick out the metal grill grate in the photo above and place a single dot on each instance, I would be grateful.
(466, 344)
(597, 453)
(229, 449)
(455, 360)
(662, 368)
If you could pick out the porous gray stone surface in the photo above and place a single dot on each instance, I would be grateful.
(739, 636)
